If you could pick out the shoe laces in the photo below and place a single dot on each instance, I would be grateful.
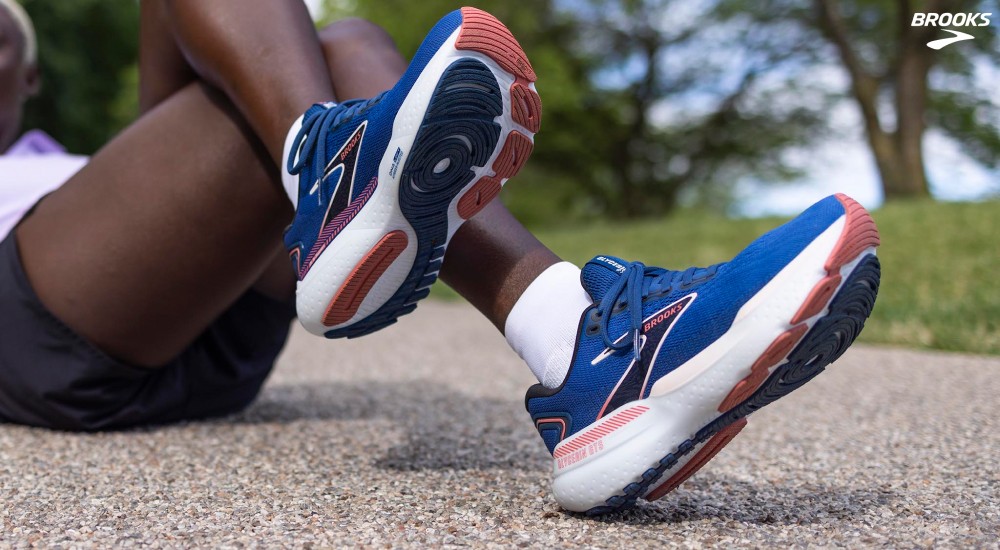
(632, 287)
(314, 130)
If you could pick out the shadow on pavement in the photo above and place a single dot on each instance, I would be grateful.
(727, 499)
(441, 428)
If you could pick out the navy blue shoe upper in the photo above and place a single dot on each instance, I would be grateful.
(357, 130)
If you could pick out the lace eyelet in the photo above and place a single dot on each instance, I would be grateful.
(593, 330)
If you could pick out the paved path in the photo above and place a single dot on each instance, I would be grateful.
(417, 436)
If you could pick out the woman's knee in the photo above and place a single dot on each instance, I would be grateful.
(353, 33)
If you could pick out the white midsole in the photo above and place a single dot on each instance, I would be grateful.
(381, 214)
(688, 398)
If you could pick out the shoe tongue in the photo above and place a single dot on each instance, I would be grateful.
(600, 273)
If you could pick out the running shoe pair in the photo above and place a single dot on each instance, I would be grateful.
(667, 365)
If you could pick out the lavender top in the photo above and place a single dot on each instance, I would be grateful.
(35, 165)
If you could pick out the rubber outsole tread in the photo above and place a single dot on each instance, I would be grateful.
(484, 33)
(777, 351)
(526, 107)
(860, 234)
(459, 127)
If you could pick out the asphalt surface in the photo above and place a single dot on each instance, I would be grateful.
(417, 436)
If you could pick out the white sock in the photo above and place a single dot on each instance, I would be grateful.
(288, 181)
(542, 325)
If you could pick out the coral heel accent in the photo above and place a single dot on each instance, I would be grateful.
(483, 33)
(779, 348)
(859, 234)
(366, 273)
(819, 296)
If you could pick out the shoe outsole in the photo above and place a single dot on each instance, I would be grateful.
(459, 126)
(799, 353)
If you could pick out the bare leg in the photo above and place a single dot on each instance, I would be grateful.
(361, 56)
(363, 61)
(492, 259)
(165, 228)
(172, 221)
(180, 214)
(262, 53)
(164, 71)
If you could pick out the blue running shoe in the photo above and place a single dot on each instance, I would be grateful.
(668, 364)
(382, 184)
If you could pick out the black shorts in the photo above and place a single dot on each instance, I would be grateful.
(51, 377)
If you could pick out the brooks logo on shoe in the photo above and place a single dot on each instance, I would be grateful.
(670, 314)
(646, 333)
(345, 164)
(655, 328)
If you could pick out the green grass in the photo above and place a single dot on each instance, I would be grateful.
(940, 265)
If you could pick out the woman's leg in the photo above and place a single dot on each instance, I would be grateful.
(165, 228)
(163, 71)
(181, 213)
(490, 262)
(263, 54)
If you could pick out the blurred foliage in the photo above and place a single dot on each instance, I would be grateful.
(647, 103)
(87, 54)
(610, 143)
(898, 84)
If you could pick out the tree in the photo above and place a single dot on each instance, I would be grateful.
(723, 123)
(87, 54)
(900, 86)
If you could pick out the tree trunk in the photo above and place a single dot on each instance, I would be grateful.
(898, 155)
(911, 104)
(886, 156)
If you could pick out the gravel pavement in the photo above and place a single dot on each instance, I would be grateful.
(417, 436)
